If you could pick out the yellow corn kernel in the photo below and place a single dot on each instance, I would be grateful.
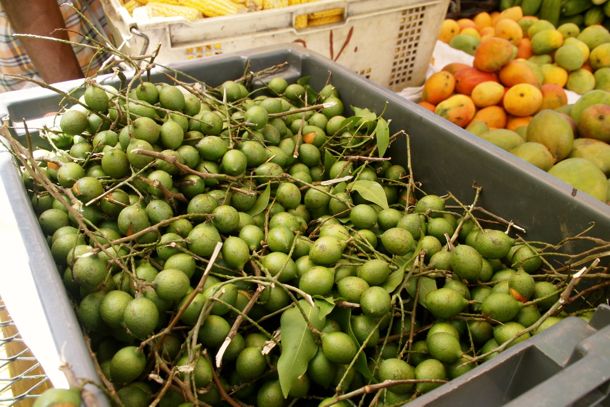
(130, 5)
(254, 5)
(161, 9)
(300, 21)
(332, 12)
(267, 4)
(214, 8)
(316, 22)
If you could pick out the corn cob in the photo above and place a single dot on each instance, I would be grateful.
(267, 4)
(130, 5)
(254, 5)
(214, 8)
(159, 8)
(316, 22)
(333, 12)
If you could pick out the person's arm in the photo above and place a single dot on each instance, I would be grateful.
(54, 61)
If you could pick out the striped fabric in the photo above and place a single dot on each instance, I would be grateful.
(15, 61)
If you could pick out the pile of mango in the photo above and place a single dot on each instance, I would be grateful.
(565, 55)
(513, 96)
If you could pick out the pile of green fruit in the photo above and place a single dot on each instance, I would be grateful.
(235, 246)
(579, 12)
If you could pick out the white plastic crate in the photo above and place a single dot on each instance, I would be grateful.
(387, 41)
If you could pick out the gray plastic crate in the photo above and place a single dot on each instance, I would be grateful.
(444, 157)
(566, 365)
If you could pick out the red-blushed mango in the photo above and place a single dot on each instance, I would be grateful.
(449, 29)
(427, 105)
(509, 30)
(467, 79)
(522, 99)
(493, 116)
(551, 128)
(453, 67)
(595, 122)
(590, 98)
(553, 96)
(487, 94)
(492, 54)
(524, 48)
(518, 71)
(458, 109)
(438, 87)
(566, 116)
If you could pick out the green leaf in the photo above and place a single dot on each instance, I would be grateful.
(422, 285)
(349, 123)
(304, 80)
(371, 191)
(261, 202)
(325, 306)
(394, 280)
(298, 346)
(365, 114)
(382, 134)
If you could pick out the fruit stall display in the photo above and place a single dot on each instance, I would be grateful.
(252, 243)
(514, 92)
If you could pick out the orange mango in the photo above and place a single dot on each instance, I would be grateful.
(493, 116)
(492, 54)
(466, 79)
(509, 30)
(487, 94)
(517, 71)
(438, 87)
(522, 99)
(553, 96)
(449, 29)
(458, 109)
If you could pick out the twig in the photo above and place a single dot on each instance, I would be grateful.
(237, 324)
(188, 299)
